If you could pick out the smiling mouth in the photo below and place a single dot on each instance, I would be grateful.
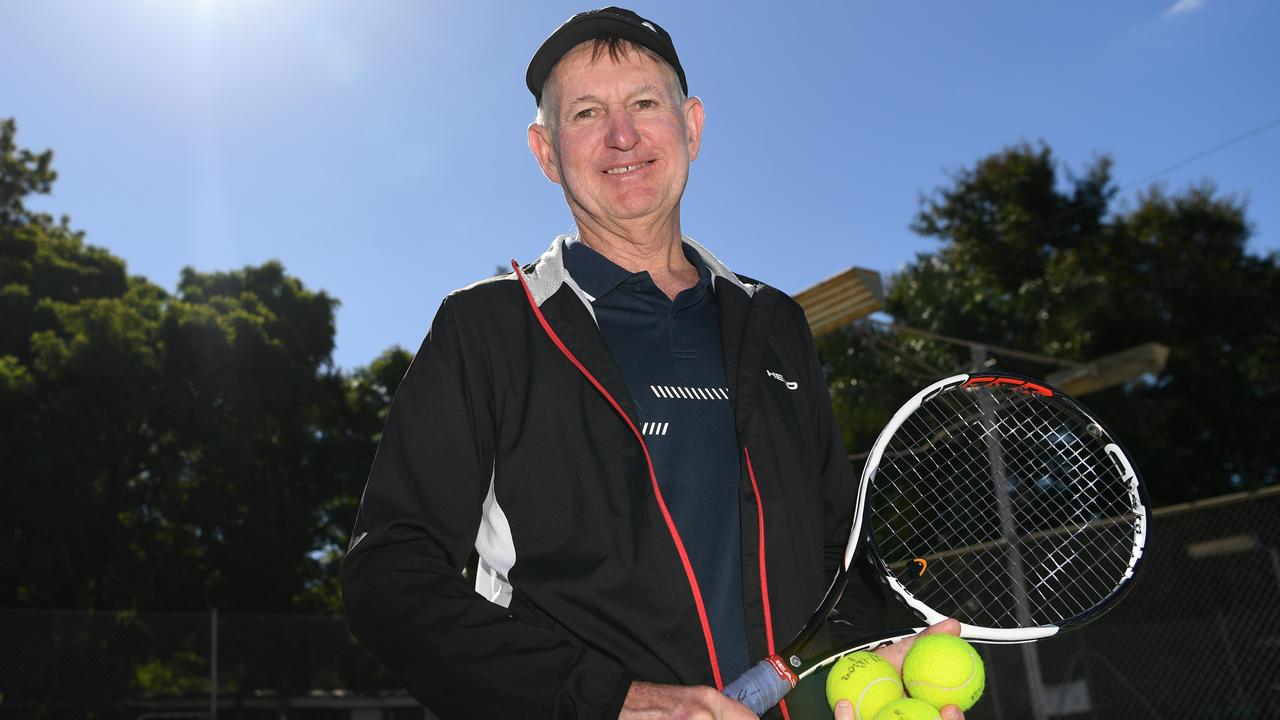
(627, 168)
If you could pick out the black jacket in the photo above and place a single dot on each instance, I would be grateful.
(512, 433)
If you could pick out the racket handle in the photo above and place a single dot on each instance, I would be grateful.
(761, 687)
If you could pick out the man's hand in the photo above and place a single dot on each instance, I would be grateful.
(647, 701)
(895, 654)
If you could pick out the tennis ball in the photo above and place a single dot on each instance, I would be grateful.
(864, 679)
(944, 670)
(908, 709)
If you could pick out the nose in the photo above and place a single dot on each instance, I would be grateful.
(622, 134)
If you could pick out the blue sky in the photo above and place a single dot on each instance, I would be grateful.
(378, 149)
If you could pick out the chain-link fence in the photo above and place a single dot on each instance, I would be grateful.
(64, 664)
(1199, 637)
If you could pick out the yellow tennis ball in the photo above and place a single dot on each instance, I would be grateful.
(944, 670)
(908, 709)
(864, 679)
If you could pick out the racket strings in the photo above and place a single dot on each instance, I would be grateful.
(1041, 575)
(1011, 500)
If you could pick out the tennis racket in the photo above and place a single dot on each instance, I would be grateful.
(990, 498)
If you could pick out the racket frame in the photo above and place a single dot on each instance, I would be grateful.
(1137, 496)
(788, 664)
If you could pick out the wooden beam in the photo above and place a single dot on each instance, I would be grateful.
(841, 299)
(1110, 370)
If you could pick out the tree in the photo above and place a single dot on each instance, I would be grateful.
(169, 451)
(357, 426)
(22, 173)
(166, 451)
(75, 351)
(1030, 264)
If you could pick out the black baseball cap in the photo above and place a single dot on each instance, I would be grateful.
(605, 22)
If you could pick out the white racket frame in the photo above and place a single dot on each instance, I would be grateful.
(971, 632)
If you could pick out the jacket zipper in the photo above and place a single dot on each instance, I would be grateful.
(653, 478)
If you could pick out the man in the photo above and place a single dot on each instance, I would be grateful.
(637, 442)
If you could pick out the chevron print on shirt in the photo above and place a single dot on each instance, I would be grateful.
(655, 428)
(680, 392)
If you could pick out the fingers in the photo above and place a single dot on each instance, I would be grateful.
(727, 708)
(844, 711)
(950, 626)
(647, 701)
(897, 652)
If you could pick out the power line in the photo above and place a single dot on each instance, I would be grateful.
(1205, 153)
(1273, 122)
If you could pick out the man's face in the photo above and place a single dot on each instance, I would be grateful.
(620, 144)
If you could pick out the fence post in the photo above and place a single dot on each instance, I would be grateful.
(1221, 622)
(213, 664)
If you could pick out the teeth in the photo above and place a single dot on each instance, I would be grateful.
(627, 169)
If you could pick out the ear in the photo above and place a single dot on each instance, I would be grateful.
(693, 119)
(543, 150)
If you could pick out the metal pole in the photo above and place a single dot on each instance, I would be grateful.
(993, 683)
(983, 347)
(1275, 563)
(1000, 486)
(213, 664)
(1231, 656)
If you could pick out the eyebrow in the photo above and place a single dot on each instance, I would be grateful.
(642, 90)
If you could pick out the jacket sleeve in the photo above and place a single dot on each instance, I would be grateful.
(403, 587)
(861, 610)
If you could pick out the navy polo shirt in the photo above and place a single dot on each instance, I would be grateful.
(669, 355)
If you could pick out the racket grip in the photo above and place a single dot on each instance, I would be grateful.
(761, 687)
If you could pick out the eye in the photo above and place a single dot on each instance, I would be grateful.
(584, 113)
(646, 104)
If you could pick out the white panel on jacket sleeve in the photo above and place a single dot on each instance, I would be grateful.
(497, 551)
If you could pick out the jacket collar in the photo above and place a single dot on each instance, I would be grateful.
(745, 310)
(547, 274)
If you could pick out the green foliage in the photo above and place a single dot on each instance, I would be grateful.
(169, 451)
(22, 173)
(356, 426)
(185, 674)
(1026, 263)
